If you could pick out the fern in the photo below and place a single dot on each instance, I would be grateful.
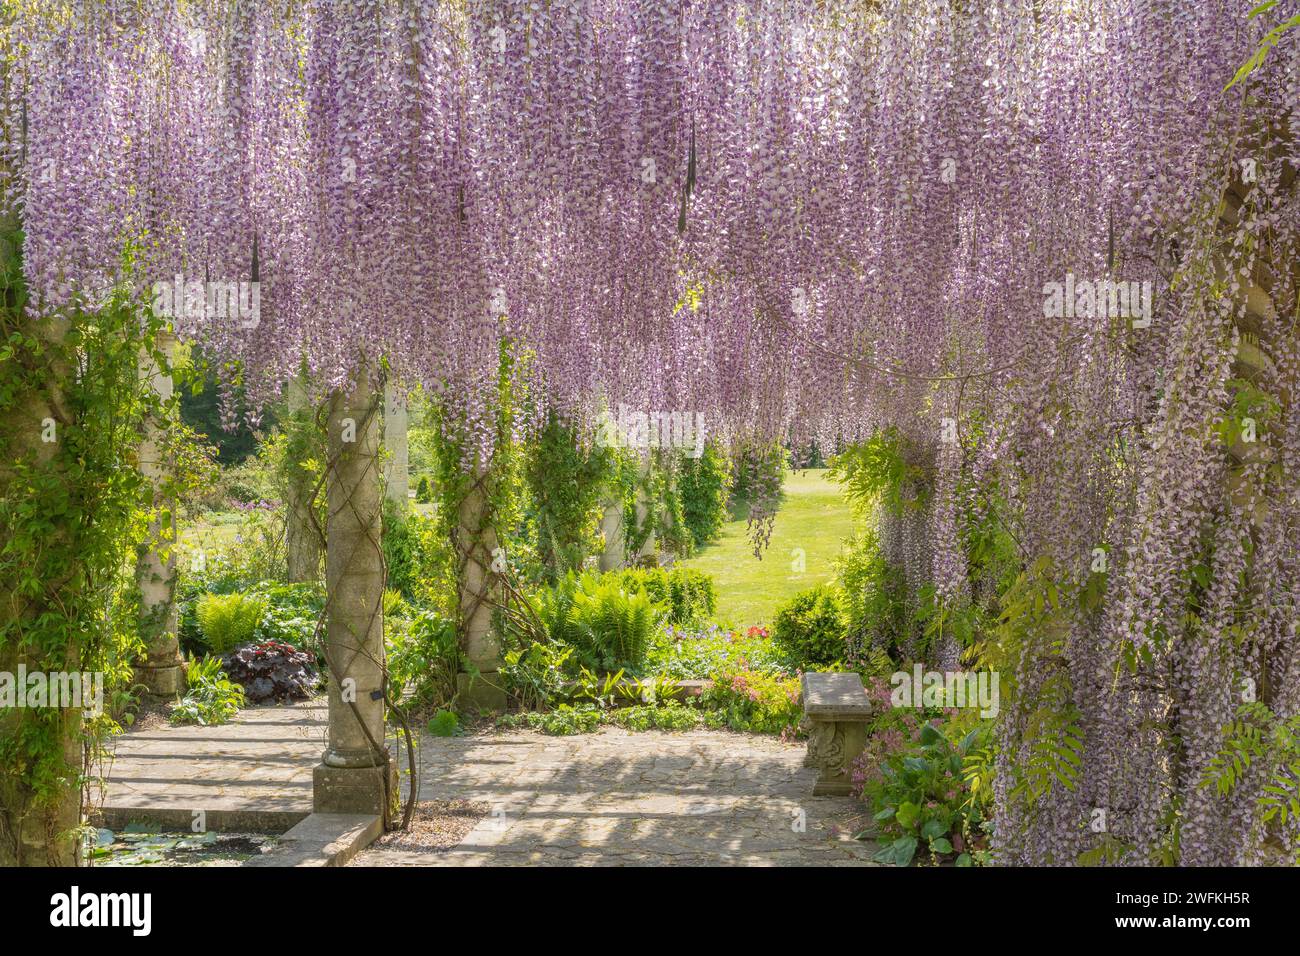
(229, 620)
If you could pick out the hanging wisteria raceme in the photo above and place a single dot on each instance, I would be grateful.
(805, 220)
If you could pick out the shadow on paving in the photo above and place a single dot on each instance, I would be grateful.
(620, 798)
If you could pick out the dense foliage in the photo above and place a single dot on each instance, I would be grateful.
(229, 620)
(688, 596)
(73, 505)
(704, 484)
(211, 697)
(566, 484)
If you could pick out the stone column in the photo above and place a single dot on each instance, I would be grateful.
(397, 465)
(162, 671)
(37, 823)
(302, 542)
(649, 547)
(478, 591)
(614, 556)
(356, 774)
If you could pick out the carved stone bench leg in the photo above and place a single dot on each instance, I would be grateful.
(832, 746)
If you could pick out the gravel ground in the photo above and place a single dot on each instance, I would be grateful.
(438, 825)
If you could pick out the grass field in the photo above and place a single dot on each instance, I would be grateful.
(813, 517)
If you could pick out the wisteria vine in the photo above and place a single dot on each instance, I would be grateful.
(810, 219)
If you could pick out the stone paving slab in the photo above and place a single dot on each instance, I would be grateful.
(252, 774)
(322, 839)
(697, 798)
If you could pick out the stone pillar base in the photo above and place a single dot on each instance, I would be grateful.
(356, 790)
(161, 680)
(482, 691)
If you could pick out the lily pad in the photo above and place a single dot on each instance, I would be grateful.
(197, 840)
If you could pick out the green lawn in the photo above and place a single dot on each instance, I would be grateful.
(813, 517)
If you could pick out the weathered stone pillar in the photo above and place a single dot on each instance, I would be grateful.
(397, 480)
(356, 773)
(614, 555)
(37, 828)
(161, 672)
(650, 546)
(480, 685)
(301, 539)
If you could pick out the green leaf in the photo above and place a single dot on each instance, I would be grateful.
(907, 815)
(933, 829)
(904, 849)
(964, 860)
(884, 854)
(941, 845)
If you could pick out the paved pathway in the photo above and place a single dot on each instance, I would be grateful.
(623, 798)
(253, 773)
(610, 798)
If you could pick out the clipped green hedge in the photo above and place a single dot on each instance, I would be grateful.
(811, 627)
(688, 594)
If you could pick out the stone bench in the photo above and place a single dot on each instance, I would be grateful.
(836, 710)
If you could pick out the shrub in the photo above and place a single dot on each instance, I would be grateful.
(565, 481)
(422, 493)
(211, 698)
(704, 485)
(423, 658)
(697, 654)
(229, 620)
(921, 801)
(873, 598)
(689, 594)
(444, 723)
(608, 626)
(611, 625)
(564, 721)
(292, 612)
(271, 671)
(536, 675)
(666, 717)
(810, 627)
(416, 556)
(754, 702)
